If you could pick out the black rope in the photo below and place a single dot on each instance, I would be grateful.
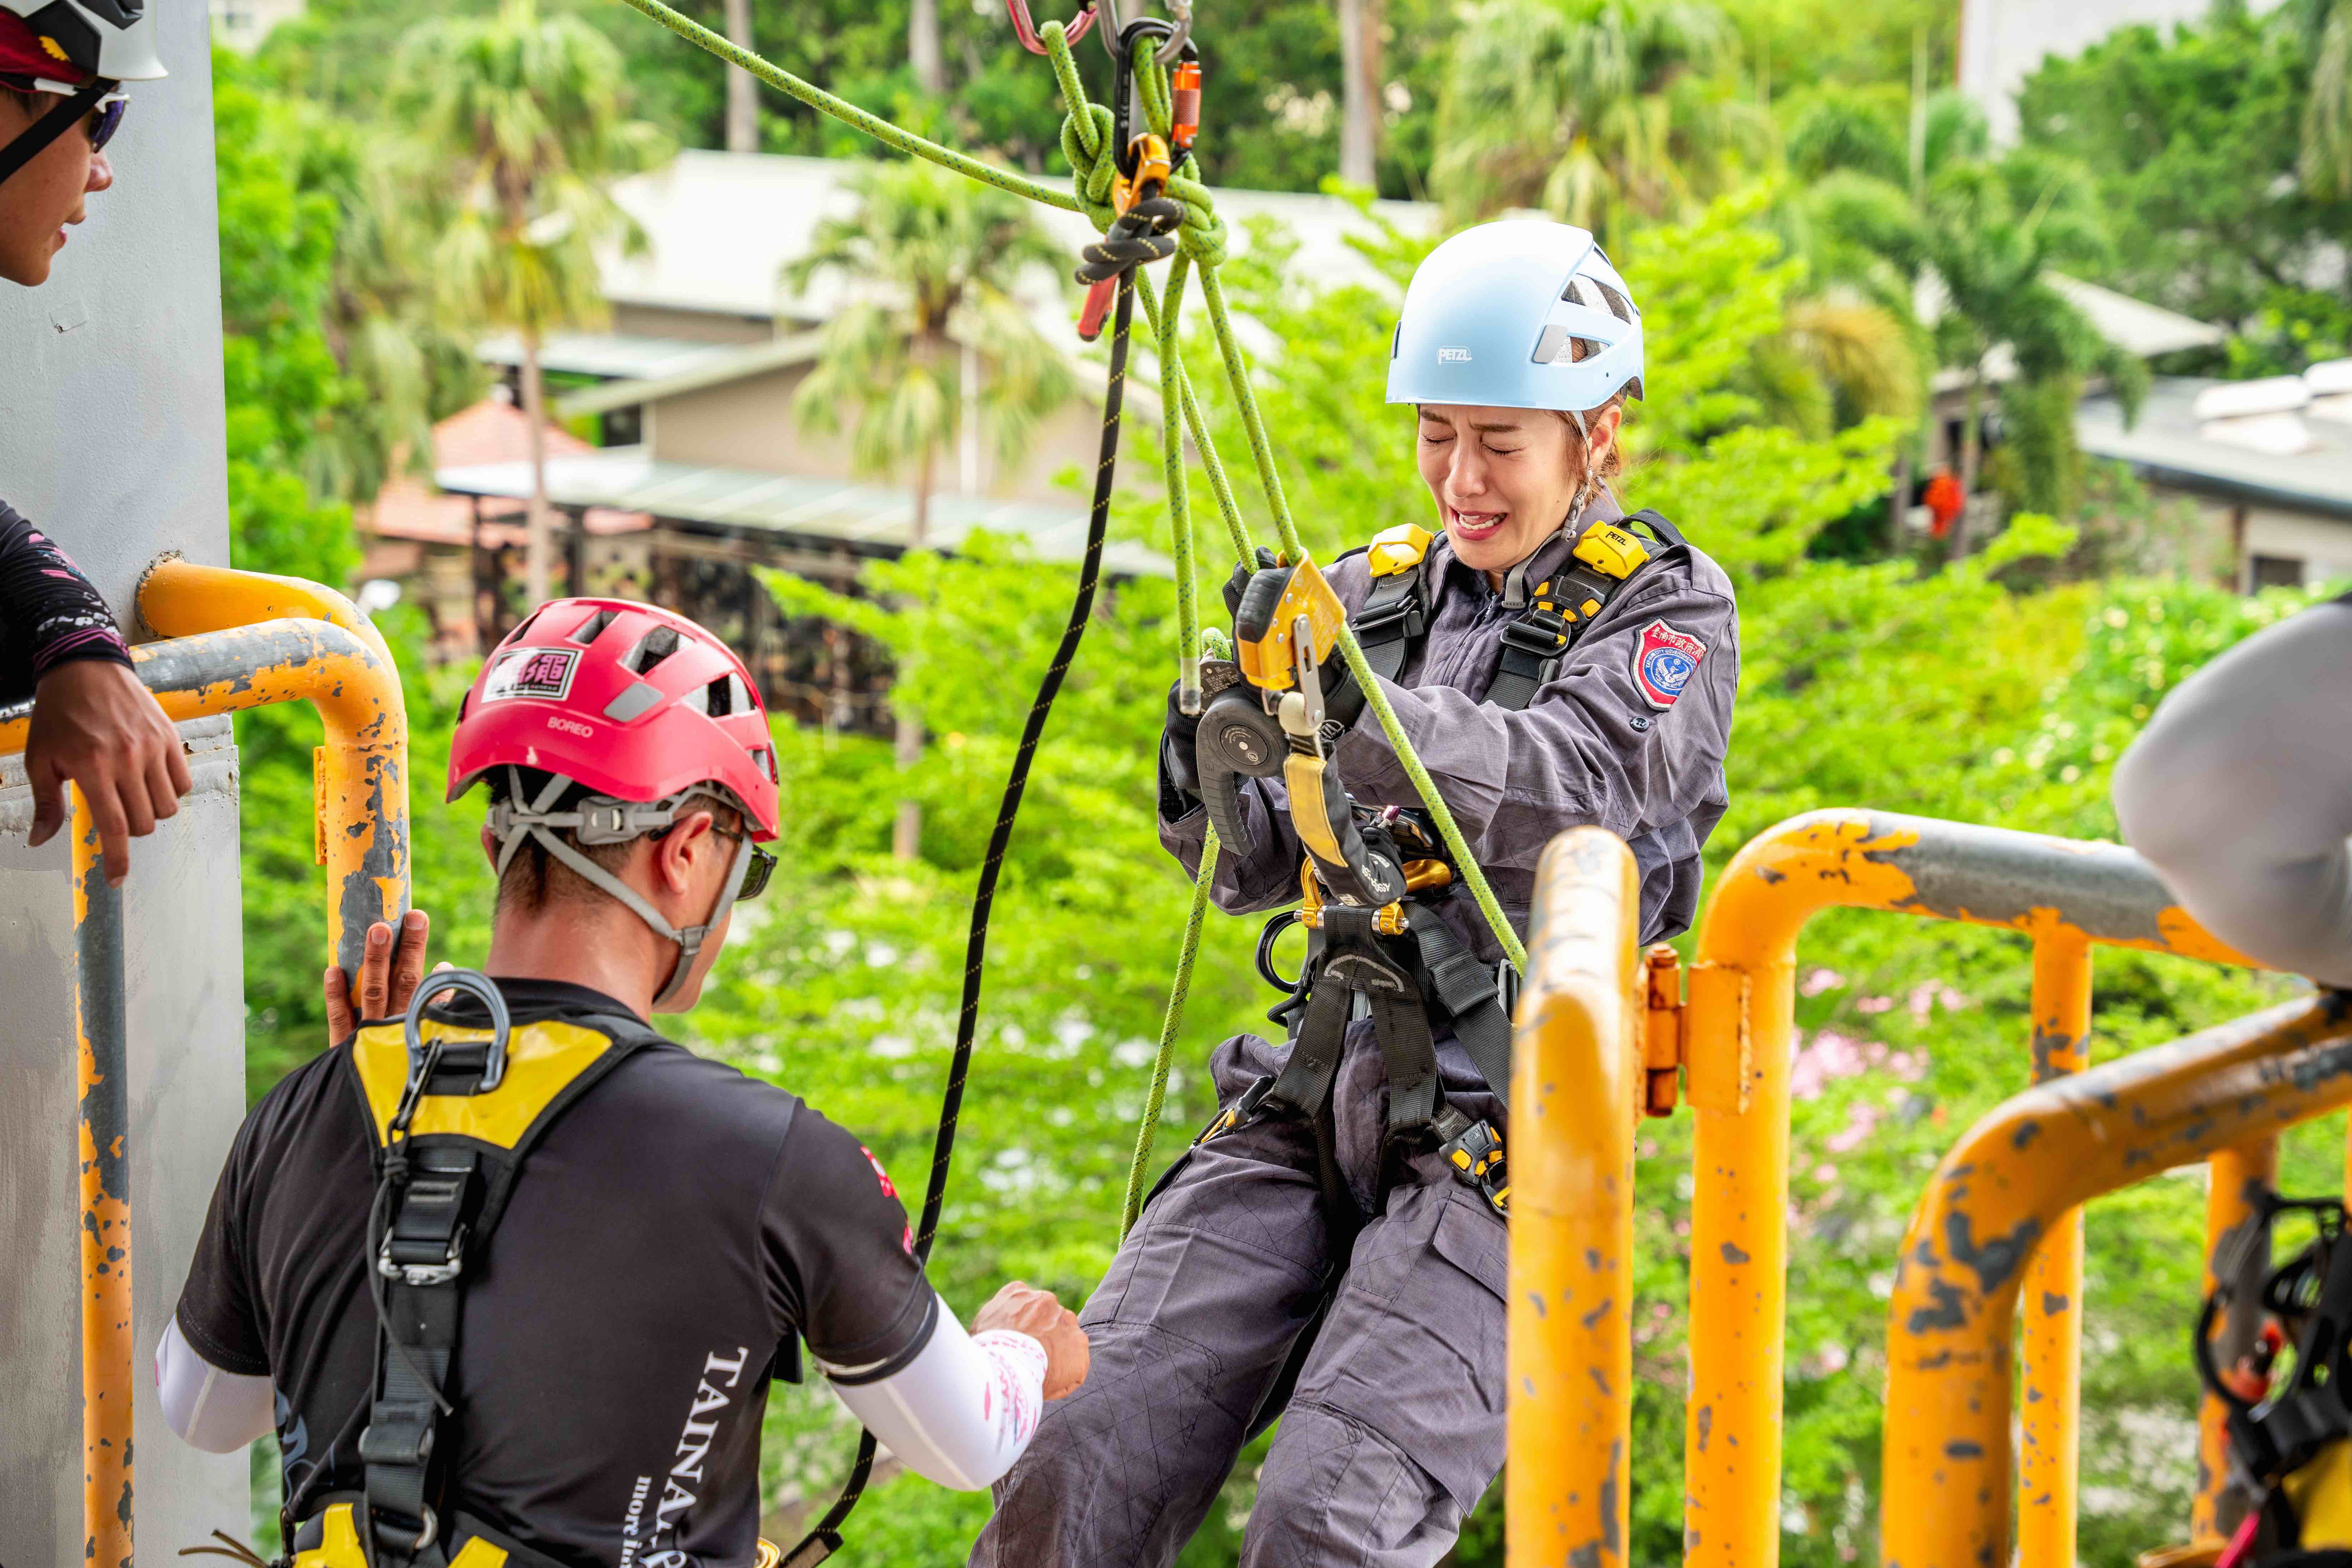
(825, 1539)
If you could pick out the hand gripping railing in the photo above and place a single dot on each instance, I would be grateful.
(1574, 1077)
(310, 644)
(1737, 1030)
(1994, 1198)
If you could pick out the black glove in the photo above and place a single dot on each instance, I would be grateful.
(1180, 757)
(1242, 574)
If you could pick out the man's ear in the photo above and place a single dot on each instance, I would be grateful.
(489, 847)
(676, 852)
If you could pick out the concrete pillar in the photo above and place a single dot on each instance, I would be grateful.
(111, 439)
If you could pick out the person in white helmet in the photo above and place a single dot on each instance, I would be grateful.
(1332, 1250)
(62, 63)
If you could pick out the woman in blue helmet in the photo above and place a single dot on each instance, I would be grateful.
(1308, 1257)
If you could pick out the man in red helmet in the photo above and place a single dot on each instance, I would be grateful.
(517, 1271)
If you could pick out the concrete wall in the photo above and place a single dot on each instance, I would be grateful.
(2002, 41)
(110, 436)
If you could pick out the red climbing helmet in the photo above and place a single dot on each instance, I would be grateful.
(633, 702)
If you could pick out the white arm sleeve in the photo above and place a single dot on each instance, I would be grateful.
(963, 1410)
(2240, 793)
(219, 1412)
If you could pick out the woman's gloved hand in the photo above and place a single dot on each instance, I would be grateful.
(1181, 747)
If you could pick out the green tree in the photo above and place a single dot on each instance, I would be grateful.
(526, 116)
(1595, 111)
(1977, 235)
(2192, 135)
(284, 392)
(936, 258)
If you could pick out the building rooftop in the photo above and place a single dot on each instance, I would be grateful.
(492, 431)
(870, 520)
(611, 356)
(2231, 444)
(720, 227)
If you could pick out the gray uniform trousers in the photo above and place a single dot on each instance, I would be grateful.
(1396, 1426)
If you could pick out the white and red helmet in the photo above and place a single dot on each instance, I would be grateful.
(635, 702)
(640, 711)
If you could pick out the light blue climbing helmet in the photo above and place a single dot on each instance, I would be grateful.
(1523, 313)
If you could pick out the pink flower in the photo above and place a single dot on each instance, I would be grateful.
(1820, 980)
(1874, 1004)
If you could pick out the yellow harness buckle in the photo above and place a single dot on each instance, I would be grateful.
(1611, 550)
(1398, 549)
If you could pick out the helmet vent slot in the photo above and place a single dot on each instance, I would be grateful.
(657, 645)
(589, 630)
(719, 697)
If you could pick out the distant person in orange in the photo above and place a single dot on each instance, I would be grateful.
(1945, 500)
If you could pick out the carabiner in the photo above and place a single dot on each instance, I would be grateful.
(1127, 112)
(1168, 52)
(1019, 10)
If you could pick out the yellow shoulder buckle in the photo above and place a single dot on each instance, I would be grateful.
(1398, 549)
(1611, 550)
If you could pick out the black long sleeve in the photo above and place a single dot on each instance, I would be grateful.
(49, 613)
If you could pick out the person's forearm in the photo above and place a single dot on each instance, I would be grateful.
(49, 613)
(219, 1412)
(2240, 793)
(963, 1410)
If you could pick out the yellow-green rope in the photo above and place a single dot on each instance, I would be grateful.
(1147, 1125)
(1086, 145)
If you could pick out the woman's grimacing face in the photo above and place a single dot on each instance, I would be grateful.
(1504, 478)
(39, 201)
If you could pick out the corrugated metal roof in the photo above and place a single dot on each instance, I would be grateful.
(874, 518)
(612, 355)
(2170, 444)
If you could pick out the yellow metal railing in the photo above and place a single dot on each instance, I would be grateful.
(1946, 1502)
(1576, 1074)
(1733, 1037)
(310, 644)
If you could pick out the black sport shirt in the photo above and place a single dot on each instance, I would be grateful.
(670, 1232)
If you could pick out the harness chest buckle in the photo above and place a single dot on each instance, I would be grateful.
(452, 1264)
(1539, 632)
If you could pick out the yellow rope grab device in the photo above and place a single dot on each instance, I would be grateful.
(1135, 176)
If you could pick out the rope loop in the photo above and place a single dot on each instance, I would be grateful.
(1089, 142)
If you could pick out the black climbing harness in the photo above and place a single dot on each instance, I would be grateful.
(2290, 1428)
(452, 1134)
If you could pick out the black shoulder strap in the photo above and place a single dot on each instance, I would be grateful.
(1604, 560)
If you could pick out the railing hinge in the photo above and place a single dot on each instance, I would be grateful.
(1662, 1030)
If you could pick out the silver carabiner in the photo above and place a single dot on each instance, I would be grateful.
(482, 989)
(1175, 47)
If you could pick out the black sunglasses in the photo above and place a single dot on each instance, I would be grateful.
(104, 120)
(761, 866)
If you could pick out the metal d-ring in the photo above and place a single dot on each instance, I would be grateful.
(1019, 10)
(475, 984)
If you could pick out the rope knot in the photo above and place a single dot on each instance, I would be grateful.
(1089, 143)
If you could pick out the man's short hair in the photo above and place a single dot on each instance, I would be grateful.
(534, 880)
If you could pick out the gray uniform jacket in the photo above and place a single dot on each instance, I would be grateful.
(2240, 793)
(1605, 742)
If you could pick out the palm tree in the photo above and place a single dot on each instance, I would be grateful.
(742, 92)
(923, 51)
(1594, 110)
(526, 117)
(2326, 163)
(1975, 240)
(934, 259)
(1360, 70)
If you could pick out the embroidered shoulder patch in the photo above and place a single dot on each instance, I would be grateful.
(1663, 662)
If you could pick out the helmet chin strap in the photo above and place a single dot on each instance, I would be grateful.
(1515, 581)
(37, 136)
(689, 939)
